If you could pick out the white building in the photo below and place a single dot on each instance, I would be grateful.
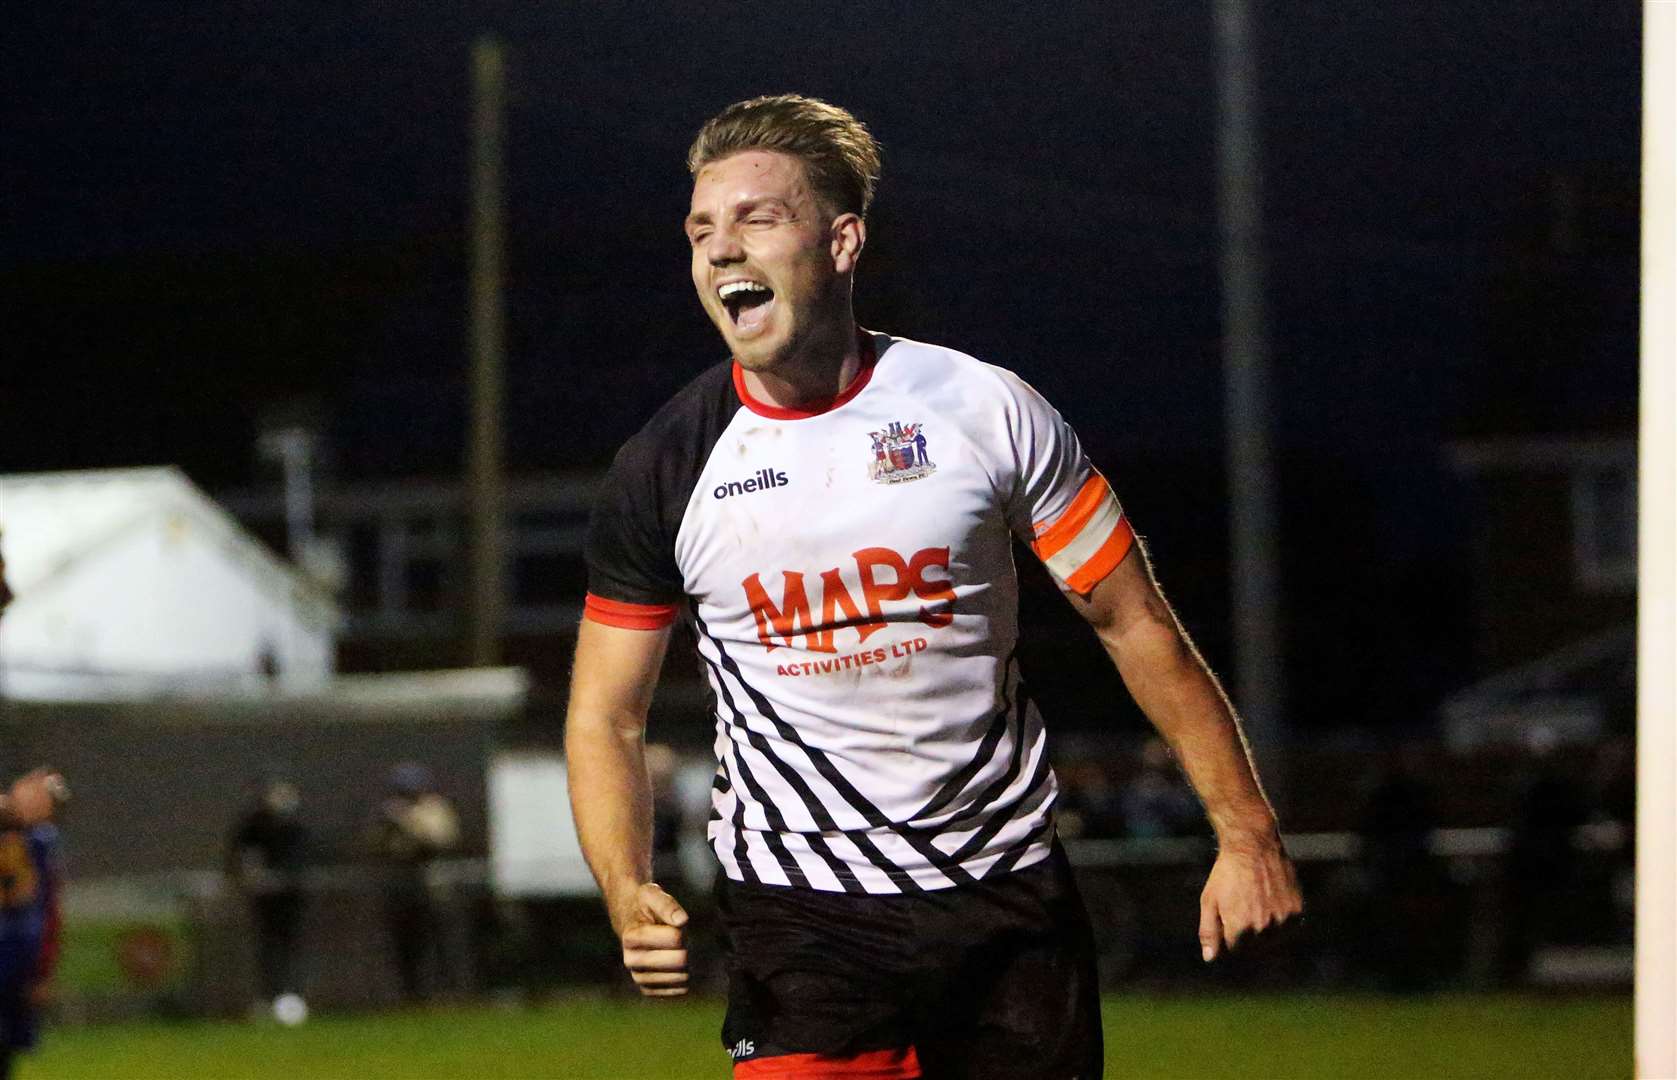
(132, 582)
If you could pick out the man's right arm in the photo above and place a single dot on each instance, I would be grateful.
(612, 682)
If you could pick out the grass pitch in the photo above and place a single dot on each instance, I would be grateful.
(1271, 1037)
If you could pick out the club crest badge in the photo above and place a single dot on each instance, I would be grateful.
(899, 454)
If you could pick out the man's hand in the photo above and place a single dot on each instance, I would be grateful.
(654, 946)
(1252, 888)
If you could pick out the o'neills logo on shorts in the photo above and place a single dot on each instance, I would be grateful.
(763, 481)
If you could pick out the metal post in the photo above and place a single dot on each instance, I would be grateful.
(1254, 569)
(1656, 609)
(293, 448)
(486, 557)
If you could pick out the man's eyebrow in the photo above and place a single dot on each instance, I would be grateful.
(698, 217)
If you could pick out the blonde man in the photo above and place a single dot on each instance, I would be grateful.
(832, 510)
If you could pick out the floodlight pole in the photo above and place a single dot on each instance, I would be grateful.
(485, 594)
(1253, 563)
(293, 448)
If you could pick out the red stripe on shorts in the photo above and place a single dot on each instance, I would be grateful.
(900, 1064)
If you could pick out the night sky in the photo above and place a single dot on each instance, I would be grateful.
(216, 212)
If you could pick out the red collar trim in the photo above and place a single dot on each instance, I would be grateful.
(819, 405)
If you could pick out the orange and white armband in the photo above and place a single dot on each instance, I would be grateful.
(1088, 540)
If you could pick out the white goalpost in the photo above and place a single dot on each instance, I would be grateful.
(1656, 661)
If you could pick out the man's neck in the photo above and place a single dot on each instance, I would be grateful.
(818, 372)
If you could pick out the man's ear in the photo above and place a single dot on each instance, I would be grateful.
(849, 234)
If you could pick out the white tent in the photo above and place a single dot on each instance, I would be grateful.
(132, 582)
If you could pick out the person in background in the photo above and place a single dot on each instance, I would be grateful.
(1091, 799)
(29, 931)
(266, 854)
(1542, 879)
(29, 884)
(33, 796)
(415, 825)
(667, 816)
(1612, 827)
(1158, 802)
(6, 594)
(1404, 887)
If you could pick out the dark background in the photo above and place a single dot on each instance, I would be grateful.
(216, 212)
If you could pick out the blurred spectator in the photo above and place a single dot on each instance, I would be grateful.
(32, 799)
(29, 933)
(1613, 786)
(1612, 829)
(6, 595)
(1090, 805)
(415, 825)
(266, 854)
(1158, 801)
(29, 904)
(33, 796)
(667, 817)
(1542, 872)
(1402, 879)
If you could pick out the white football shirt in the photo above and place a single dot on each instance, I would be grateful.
(848, 571)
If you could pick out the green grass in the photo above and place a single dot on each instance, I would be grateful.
(89, 964)
(1284, 1038)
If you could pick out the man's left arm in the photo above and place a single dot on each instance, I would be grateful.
(1252, 886)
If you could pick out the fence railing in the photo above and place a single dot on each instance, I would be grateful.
(1457, 917)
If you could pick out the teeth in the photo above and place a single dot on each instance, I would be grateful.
(733, 288)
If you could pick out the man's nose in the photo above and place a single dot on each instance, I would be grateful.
(723, 247)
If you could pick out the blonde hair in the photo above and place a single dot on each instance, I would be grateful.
(839, 153)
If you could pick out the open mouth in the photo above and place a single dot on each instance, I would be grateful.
(747, 303)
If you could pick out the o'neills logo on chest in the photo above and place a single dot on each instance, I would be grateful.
(763, 481)
(818, 610)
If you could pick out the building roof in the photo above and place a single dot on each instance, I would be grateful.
(50, 521)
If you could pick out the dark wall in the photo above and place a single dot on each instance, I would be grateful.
(157, 787)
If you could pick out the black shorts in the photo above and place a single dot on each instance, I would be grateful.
(994, 979)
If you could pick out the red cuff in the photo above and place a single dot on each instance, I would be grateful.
(628, 616)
